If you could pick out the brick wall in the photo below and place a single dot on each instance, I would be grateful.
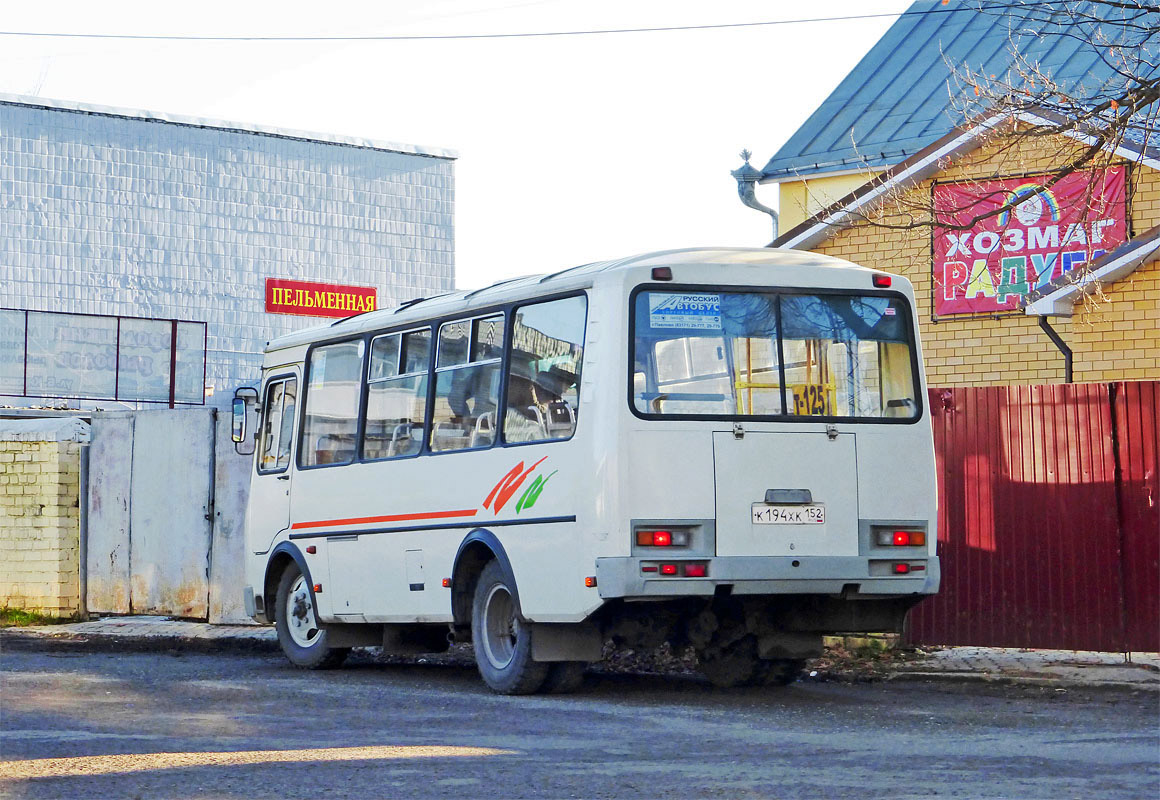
(1113, 337)
(40, 514)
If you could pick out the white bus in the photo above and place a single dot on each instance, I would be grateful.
(722, 448)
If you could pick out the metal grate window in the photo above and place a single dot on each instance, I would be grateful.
(48, 354)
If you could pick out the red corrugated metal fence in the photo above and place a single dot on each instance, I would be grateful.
(1049, 518)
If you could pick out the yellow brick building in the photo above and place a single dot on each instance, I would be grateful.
(857, 180)
(40, 547)
(1114, 333)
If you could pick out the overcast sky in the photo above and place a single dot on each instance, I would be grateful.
(571, 148)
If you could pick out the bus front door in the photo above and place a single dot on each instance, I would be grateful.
(269, 505)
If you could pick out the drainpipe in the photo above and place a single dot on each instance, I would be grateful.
(747, 178)
(1062, 345)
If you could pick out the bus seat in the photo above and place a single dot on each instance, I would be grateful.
(561, 419)
(400, 440)
(484, 433)
(448, 436)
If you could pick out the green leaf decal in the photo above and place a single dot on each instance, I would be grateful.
(532, 494)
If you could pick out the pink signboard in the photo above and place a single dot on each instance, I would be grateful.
(989, 266)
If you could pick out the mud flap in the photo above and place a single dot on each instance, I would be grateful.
(566, 642)
(348, 635)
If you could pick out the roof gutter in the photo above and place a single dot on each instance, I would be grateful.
(1060, 302)
(1143, 155)
(924, 164)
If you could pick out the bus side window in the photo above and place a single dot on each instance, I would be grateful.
(332, 400)
(396, 395)
(271, 427)
(543, 395)
(467, 376)
(286, 432)
(277, 431)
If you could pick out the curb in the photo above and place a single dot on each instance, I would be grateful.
(1021, 680)
(18, 638)
(139, 644)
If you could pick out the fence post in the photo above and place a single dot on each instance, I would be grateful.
(1118, 478)
(173, 363)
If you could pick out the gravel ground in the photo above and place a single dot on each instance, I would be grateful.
(837, 663)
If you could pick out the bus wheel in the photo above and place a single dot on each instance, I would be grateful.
(503, 642)
(303, 640)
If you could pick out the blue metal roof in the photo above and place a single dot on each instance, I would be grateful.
(896, 101)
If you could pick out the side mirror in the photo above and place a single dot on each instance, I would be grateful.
(245, 400)
(239, 421)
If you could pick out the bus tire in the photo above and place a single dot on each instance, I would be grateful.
(303, 639)
(502, 639)
(564, 677)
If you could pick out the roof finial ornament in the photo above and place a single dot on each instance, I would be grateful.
(745, 154)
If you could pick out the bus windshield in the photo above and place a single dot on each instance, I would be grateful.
(754, 354)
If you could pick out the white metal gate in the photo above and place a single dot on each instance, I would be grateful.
(150, 513)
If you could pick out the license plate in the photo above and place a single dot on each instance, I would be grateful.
(788, 515)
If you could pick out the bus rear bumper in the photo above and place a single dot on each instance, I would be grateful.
(846, 576)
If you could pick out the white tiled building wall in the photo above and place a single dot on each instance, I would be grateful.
(138, 216)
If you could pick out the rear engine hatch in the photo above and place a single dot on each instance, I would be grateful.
(786, 494)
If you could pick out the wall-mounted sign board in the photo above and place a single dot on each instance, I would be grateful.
(304, 298)
(987, 262)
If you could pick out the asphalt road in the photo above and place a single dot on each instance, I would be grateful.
(167, 725)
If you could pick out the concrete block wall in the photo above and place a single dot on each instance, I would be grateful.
(40, 471)
(116, 212)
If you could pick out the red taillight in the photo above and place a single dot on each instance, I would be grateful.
(882, 281)
(662, 273)
(901, 569)
(668, 569)
(649, 568)
(662, 538)
(694, 570)
(902, 538)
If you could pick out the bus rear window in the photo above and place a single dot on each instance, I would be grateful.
(772, 354)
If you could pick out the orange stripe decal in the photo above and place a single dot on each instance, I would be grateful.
(327, 523)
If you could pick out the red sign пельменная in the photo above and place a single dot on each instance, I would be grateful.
(990, 266)
(318, 299)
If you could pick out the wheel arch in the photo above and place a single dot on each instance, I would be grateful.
(477, 548)
(280, 557)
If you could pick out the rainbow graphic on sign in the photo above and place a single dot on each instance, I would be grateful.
(1029, 201)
